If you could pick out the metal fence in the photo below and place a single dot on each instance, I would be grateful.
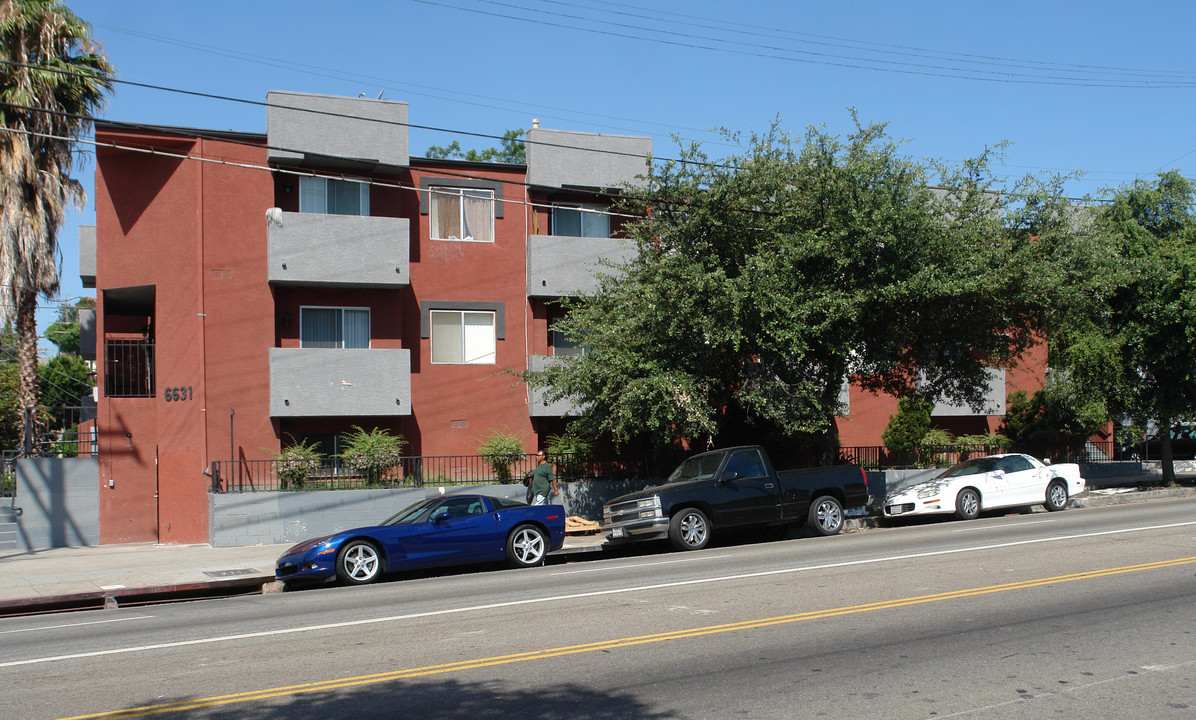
(878, 457)
(408, 471)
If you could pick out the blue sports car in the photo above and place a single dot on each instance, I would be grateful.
(448, 530)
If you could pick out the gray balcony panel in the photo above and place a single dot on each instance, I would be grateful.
(319, 130)
(559, 159)
(87, 333)
(994, 399)
(340, 250)
(559, 265)
(537, 405)
(87, 255)
(318, 382)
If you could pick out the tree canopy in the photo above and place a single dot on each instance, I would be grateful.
(52, 81)
(511, 151)
(1132, 338)
(763, 281)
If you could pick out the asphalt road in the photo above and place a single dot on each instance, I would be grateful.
(1080, 614)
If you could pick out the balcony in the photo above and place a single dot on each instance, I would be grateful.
(560, 265)
(537, 405)
(564, 159)
(324, 131)
(994, 399)
(338, 250)
(320, 382)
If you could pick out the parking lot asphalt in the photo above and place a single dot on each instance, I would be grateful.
(107, 576)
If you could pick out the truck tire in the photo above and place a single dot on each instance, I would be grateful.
(689, 530)
(826, 515)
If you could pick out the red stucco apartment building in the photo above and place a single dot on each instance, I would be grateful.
(257, 289)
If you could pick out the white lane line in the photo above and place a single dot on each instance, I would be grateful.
(1002, 527)
(78, 624)
(639, 565)
(572, 596)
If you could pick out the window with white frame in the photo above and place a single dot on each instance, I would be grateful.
(334, 327)
(580, 220)
(463, 337)
(462, 214)
(333, 197)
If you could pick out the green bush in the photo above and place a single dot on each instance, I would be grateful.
(296, 463)
(569, 453)
(371, 453)
(911, 423)
(502, 450)
(8, 484)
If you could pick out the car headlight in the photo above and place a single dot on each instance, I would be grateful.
(652, 502)
(928, 492)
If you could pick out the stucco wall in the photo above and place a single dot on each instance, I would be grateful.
(58, 501)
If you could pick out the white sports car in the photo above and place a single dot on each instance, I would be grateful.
(987, 483)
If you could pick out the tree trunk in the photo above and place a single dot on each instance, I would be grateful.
(1166, 457)
(27, 391)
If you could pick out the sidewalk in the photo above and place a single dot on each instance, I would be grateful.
(118, 575)
(115, 575)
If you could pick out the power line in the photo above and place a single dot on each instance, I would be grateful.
(804, 56)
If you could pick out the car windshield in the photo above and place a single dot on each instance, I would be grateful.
(974, 466)
(698, 467)
(412, 514)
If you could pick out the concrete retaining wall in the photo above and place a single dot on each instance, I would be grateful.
(239, 519)
(57, 503)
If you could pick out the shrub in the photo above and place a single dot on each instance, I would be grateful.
(569, 453)
(295, 463)
(911, 423)
(371, 453)
(502, 450)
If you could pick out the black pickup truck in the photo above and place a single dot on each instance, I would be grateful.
(734, 487)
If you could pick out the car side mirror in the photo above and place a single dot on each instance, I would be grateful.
(440, 517)
(729, 475)
(998, 473)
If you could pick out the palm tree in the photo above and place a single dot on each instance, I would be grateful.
(52, 80)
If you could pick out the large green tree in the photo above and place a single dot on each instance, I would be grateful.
(52, 80)
(762, 281)
(1133, 339)
(511, 150)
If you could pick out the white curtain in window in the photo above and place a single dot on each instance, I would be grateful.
(446, 215)
(312, 193)
(447, 341)
(479, 215)
(479, 338)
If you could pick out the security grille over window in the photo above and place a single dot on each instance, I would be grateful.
(128, 368)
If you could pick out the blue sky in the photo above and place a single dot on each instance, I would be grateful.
(1099, 87)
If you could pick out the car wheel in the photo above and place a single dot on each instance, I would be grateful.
(967, 504)
(1056, 496)
(826, 516)
(527, 546)
(359, 562)
(689, 530)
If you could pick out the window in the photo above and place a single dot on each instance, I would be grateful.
(333, 197)
(562, 344)
(746, 464)
(334, 327)
(462, 214)
(463, 337)
(580, 220)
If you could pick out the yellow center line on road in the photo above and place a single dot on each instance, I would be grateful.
(219, 700)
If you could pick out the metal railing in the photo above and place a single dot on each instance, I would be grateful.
(408, 471)
(878, 457)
